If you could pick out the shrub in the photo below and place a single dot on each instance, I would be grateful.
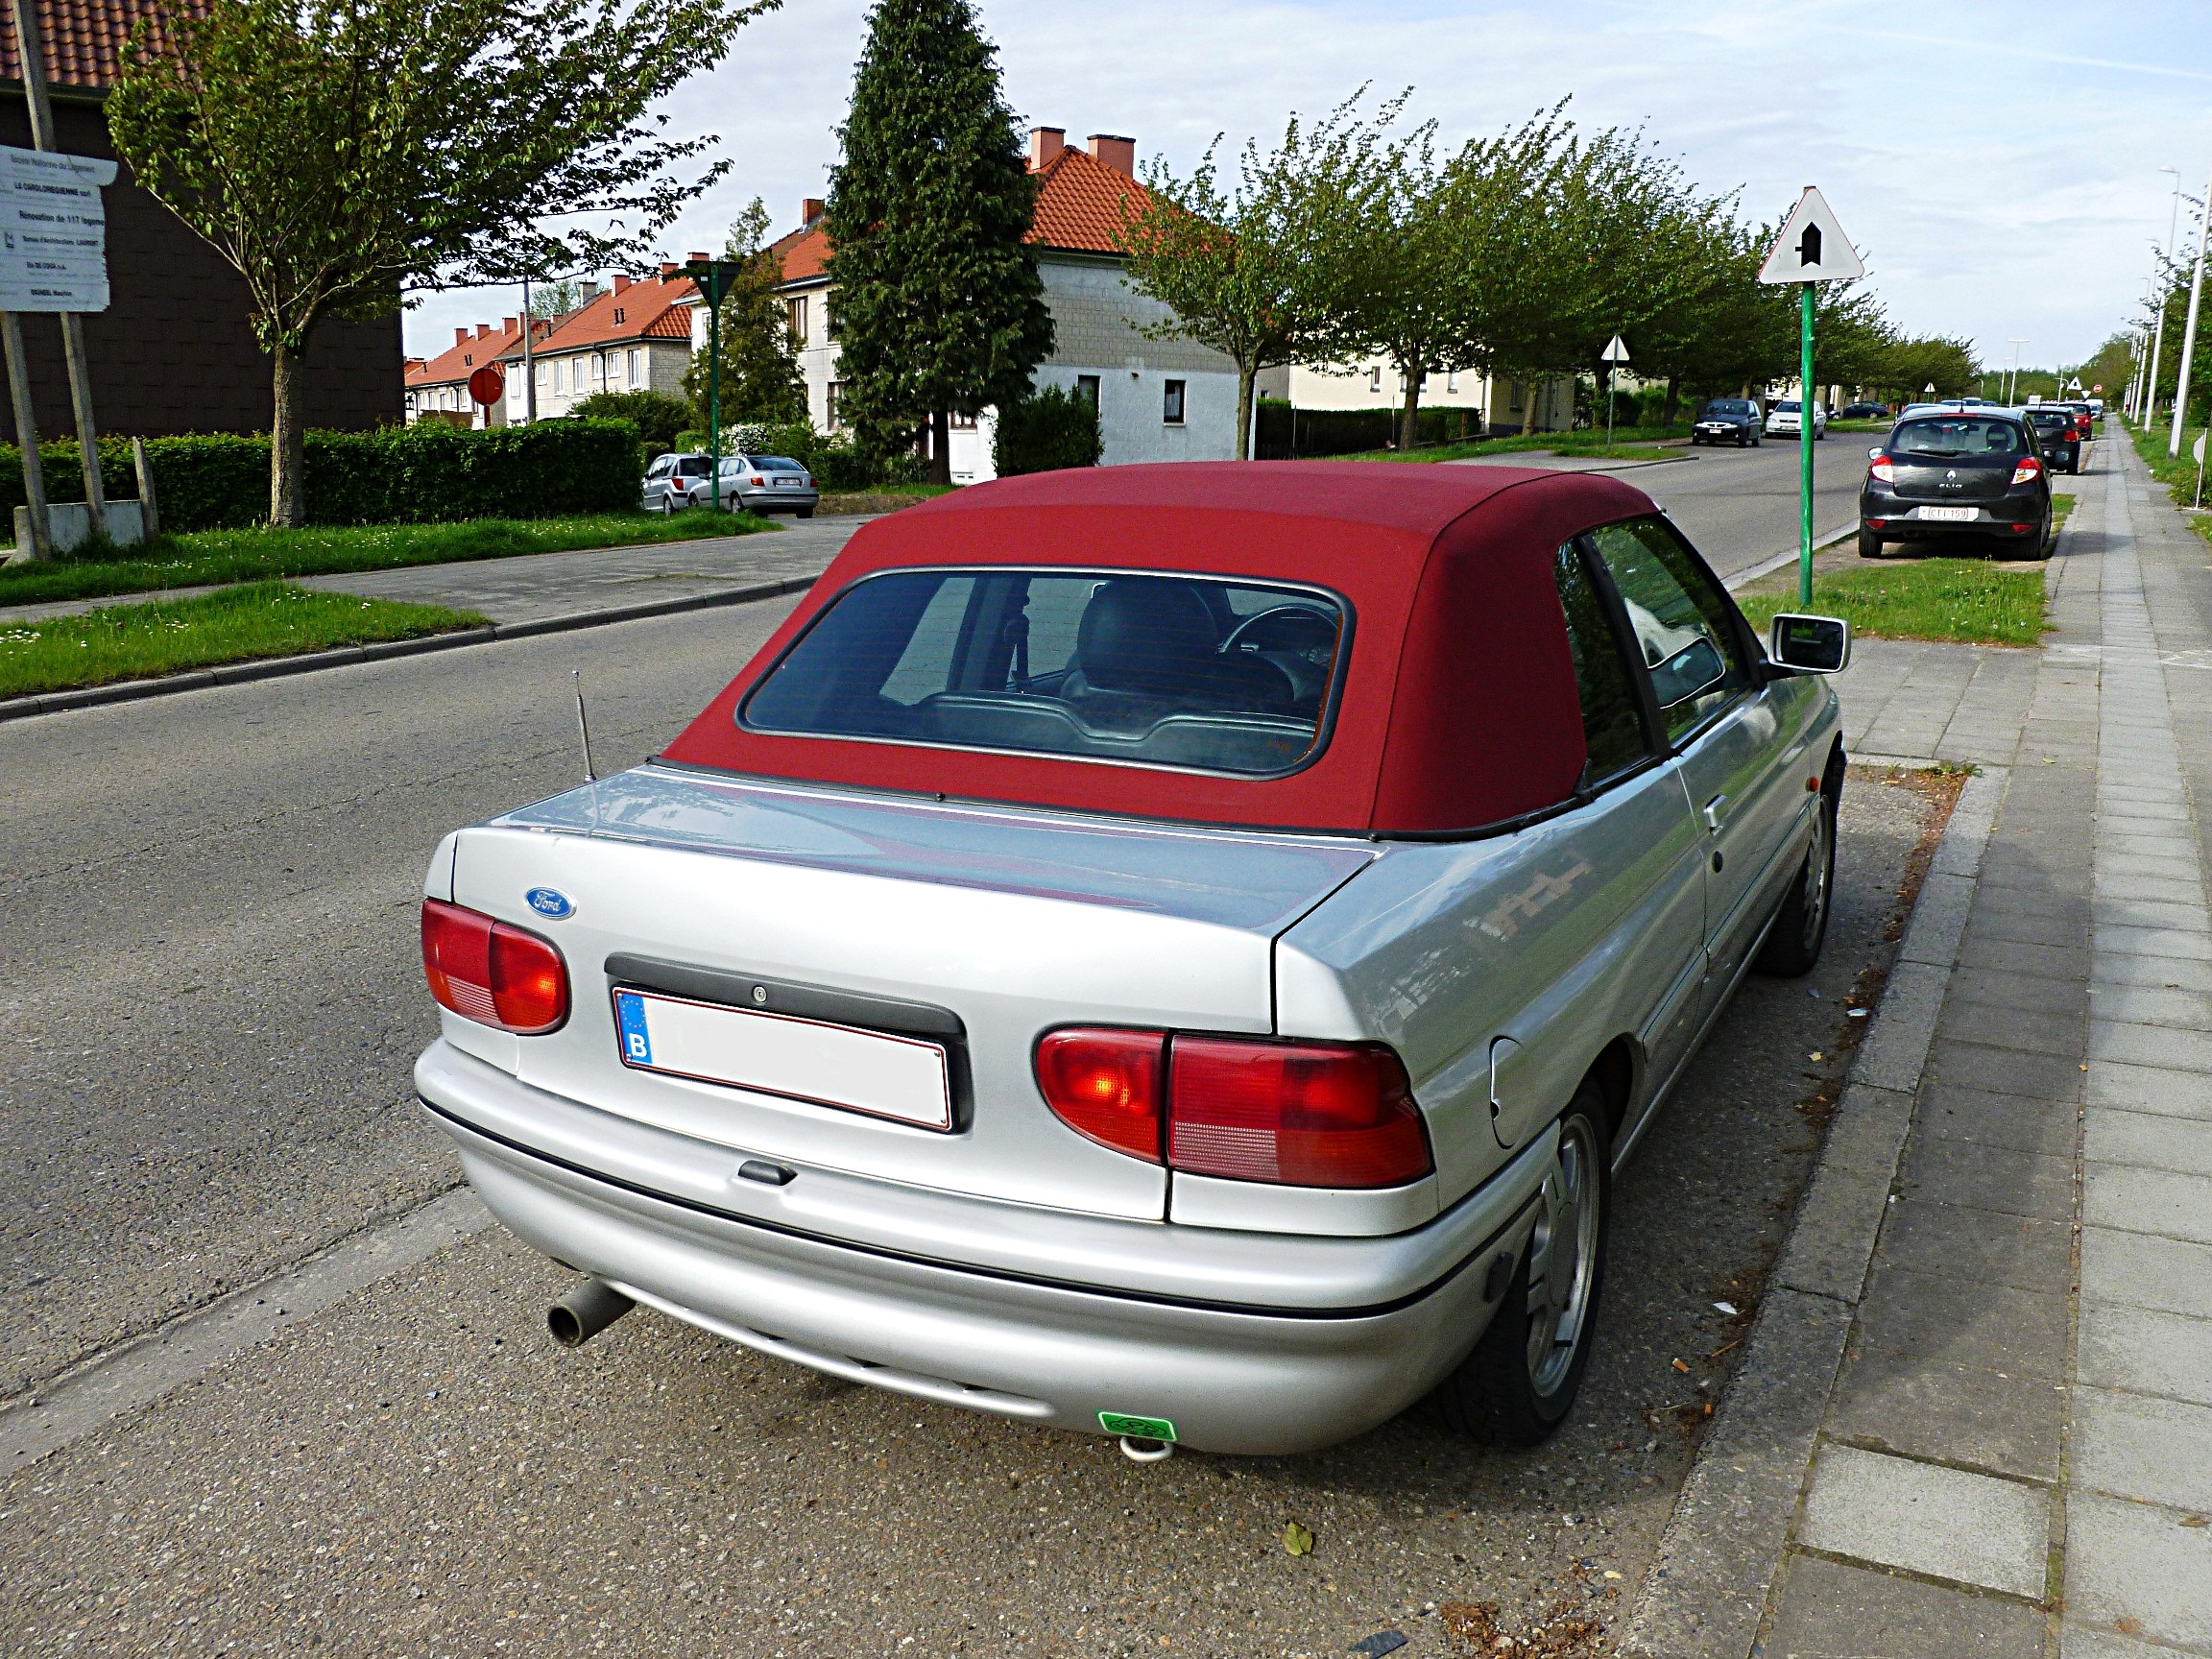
(1045, 431)
(658, 417)
(402, 474)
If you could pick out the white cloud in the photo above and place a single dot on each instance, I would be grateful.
(1998, 166)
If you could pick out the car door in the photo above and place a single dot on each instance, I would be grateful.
(1731, 729)
(1632, 955)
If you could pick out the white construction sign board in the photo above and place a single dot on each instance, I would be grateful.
(1811, 247)
(53, 231)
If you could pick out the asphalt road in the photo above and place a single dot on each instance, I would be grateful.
(1740, 506)
(210, 997)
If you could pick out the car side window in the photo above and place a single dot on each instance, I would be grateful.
(1612, 725)
(1682, 621)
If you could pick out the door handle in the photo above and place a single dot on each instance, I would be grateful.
(1716, 814)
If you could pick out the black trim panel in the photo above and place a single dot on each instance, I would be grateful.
(802, 1002)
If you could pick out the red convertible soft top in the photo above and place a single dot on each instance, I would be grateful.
(1460, 708)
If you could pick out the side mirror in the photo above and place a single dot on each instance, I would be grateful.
(1815, 644)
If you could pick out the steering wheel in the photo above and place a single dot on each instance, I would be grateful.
(1252, 622)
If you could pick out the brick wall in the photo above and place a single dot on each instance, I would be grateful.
(173, 353)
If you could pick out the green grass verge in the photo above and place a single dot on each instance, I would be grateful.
(2060, 506)
(1627, 445)
(168, 637)
(208, 557)
(1861, 425)
(1969, 600)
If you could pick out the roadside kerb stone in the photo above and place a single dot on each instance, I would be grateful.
(1706, 1592)
(274, 668)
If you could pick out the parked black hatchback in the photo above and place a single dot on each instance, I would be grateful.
(2058, 434)
(1975, 472)
(1728, 421)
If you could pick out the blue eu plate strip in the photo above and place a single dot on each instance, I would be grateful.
(636, 1041)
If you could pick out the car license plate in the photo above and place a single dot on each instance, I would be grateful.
(786, 483)
(1952, 514)
(905, 1078)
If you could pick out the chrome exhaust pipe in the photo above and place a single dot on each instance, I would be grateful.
(585, 1311)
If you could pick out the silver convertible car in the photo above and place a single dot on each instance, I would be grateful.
(1175, 953)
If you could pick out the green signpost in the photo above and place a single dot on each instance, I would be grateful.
(1811, 248)
(714, 278)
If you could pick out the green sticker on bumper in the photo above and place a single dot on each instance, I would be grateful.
(1136, 1428)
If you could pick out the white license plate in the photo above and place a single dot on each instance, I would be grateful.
(786, 483)
(1952, 514)
(905, 1078)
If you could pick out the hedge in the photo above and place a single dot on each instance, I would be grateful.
(1046, 431)
(1306, 433)
(402, 474)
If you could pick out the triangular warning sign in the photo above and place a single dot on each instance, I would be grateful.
(1811, 247)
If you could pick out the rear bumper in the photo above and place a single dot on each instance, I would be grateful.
(1040, 1349)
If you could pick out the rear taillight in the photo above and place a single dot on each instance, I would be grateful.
(758, 481)
(1884, 471)
(2027, 471)
(1106, 1085)
(1292, 1114)
(485, 971)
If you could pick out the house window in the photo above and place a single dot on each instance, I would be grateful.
(637, 368)
(960, 422)
(795, 311)
(1451, 382)
(1374, 378)
(545, 374)
(836, 397)
(829, 324)
(1171, 405)
(1087, 386)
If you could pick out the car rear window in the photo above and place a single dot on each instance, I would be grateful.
(1728, 407)
(1153, 668)
(1954, 436)
(2049, 420)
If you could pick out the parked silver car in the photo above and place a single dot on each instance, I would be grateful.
(668, 481)
(1168, 951)
(761, 484)
(1784, 417)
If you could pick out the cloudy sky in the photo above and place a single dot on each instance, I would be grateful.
(1998, 163)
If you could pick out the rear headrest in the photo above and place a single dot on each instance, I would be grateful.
(1145, 633)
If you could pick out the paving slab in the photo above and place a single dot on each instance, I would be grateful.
(2141, 1564)
(1945, 1522)
(1964, 1415)
(1966, 1322)
(2132, 1446)
(2155, 1089)
(1831, 1610)
(2139, 1200)
(2146, 1351)
(2148, 1141)
(1994, 1178)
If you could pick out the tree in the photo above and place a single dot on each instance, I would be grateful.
(2113, 368)
(940, 307)
(338, 153)
(556, 298)
(1266, 271)
(1910, 366)
(658, 417)
(760, 378)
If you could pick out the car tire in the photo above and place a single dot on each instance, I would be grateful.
(1756, 439)
(1801, 924)
(1870, 545)
(1520, 1381)
(804, 513)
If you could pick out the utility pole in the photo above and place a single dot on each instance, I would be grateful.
(529, 366)
(714, 278)
(2013, 380)
(2188, 332)
(31, 54)
(2158, 280)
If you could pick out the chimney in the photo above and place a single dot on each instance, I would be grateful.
(811, 209)
(482, 330)
(696, 258)
(510, 325)
(587, 291)
(460, 336)
(1044, 146)
(667, 271)
(1109, 149)
(621, 284)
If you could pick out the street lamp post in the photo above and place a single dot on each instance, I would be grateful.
(2012, 379)
(2189, 328)
(2158, 279)
(714, 278)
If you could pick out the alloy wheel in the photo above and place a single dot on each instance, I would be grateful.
(1816, 868)
(1563, 1259)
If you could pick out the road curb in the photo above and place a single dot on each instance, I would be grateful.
(279, 667)
(1706, 1592)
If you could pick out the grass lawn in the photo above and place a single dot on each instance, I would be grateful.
(2180, 473)
(206, 557)
(884, 498)
(1861, 425)
(2061, 505)
(1971, 600)
(1628, 444)
(167, 636)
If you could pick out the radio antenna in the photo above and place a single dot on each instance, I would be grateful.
(583, 727)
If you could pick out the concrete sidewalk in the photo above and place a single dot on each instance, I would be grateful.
(2008, 1455)
(537, 587)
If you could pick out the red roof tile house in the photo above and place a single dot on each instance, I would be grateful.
(172, 353)
(1158, 400)
(439, 386)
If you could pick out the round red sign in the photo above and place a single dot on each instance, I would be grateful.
(487, 384)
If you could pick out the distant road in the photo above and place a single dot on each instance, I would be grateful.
(1740, 506)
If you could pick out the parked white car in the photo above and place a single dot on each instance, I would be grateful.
(1782, 420)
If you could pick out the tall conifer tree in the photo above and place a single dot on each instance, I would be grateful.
(938, 306)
